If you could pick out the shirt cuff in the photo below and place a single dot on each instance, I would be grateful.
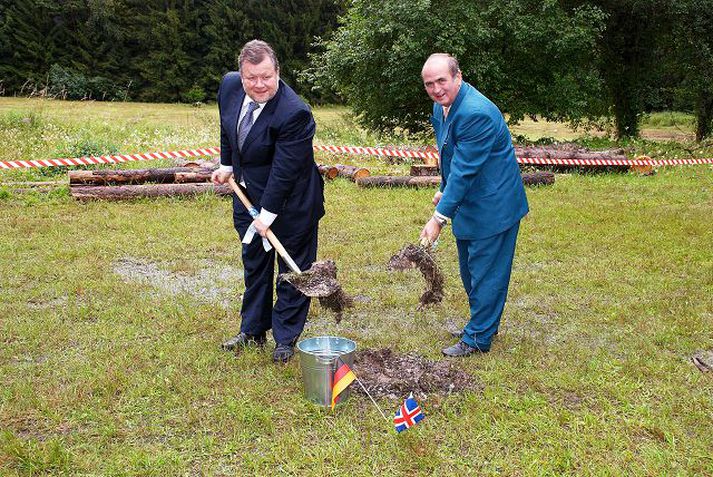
(223, 168)
(441, 216)
(267, 217)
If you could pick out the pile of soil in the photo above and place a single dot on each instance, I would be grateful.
(417, 256)
(320, 281)
(385, 374)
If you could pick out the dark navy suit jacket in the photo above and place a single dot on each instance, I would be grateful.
(481, 184)
(277, 159)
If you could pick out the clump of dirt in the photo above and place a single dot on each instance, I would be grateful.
(320, 281)
(417, 256)
(385, 374)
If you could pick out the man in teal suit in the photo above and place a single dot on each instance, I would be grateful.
(481, 193)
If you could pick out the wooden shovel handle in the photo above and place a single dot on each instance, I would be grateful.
(270, 234)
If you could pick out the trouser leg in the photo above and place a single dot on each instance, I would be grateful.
(290, 312)
(487, 263)
(258, 273)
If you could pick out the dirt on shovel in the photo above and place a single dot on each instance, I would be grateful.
(418, 256)
(320, 281)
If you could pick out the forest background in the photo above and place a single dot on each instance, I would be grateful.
(585, 62)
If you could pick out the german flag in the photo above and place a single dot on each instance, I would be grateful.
(342, 378)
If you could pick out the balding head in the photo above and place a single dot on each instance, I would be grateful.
(442, 78)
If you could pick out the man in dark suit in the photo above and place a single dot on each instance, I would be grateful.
(481, 192)
(266, 134)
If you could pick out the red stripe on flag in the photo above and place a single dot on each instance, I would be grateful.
(341, 372)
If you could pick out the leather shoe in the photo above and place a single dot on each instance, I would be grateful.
(242, 340)
(283, 353)
(461, 349)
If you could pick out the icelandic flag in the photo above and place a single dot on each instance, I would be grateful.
(408, 415)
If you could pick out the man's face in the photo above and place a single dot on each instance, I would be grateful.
(260, 81)
(440, 85)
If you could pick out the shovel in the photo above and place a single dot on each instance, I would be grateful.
(320, 281)
(270, 234)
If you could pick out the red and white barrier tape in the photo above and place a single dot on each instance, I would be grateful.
(356, 150)
(87, 160)
(377, 151)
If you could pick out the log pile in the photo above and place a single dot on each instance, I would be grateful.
(571, 152)
(137, 183)
(529, 179)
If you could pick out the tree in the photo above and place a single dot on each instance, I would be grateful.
(632, 44)
(531, 57)
(693, 54)
(29, 32)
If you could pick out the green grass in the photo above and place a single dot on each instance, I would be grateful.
(101, 374)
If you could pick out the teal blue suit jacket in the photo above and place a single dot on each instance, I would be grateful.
(482, 189)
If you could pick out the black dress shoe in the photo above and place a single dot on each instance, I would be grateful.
(283, 353)
(242, 340)
(461, 349)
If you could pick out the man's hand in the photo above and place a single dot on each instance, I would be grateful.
(431, 230)
(220, 177)
(437, 197)
(260, 227)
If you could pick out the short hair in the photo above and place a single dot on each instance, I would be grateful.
(453, 67)
(255, 52)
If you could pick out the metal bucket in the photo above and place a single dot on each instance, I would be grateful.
(318, 360)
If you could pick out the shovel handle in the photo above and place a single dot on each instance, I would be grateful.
(270, 234)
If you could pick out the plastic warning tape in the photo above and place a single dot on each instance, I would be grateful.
(88, 160)
(354, 150)
(378, 151)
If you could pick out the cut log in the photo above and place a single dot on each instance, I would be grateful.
(399, 181)
(428, 160)
(141, 176)
(199, 163)
(529, 179)
(328, 172)
(85, 193)
(544, 152)
(537, 178)
(424, 170)
(352, 172)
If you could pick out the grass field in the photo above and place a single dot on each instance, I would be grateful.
(111, 315)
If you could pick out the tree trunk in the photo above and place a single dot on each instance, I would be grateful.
(534, 151)
(423, 170)
(84, 193)
(704, 116)
(399, 181)
(141, 176)
(529, 179)
(352, 172)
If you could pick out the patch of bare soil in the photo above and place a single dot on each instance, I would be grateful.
(385, 374)
(204, 280)
(320, 281)
(417, 256)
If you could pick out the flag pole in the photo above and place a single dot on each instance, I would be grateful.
(372, 399)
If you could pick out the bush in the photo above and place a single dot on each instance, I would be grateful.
(66, 83)
(194, 95)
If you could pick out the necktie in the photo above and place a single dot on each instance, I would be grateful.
(246, 123)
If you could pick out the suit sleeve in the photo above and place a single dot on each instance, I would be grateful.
(292, 159)
(474, 142)
(226, 153)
